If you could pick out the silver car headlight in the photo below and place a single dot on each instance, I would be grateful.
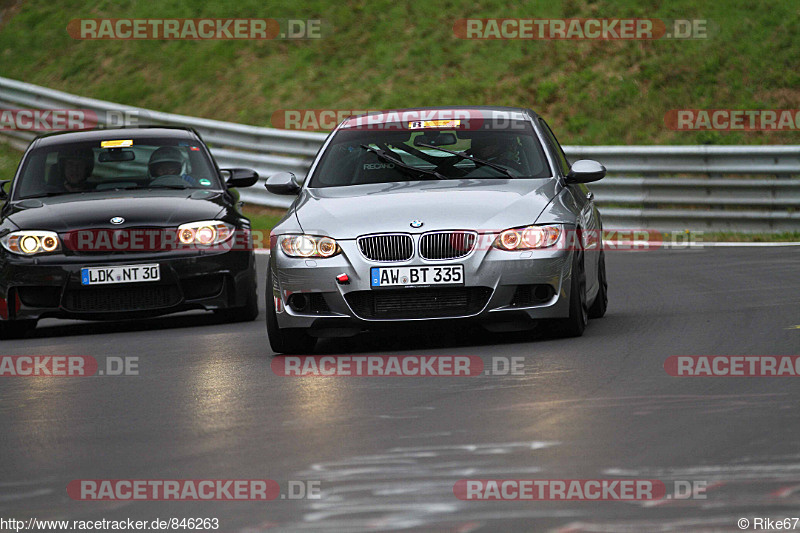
(528, 238)
(205, 233)
(309, 246)
(31, 242)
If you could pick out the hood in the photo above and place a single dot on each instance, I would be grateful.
(71, 212)
(488, 204)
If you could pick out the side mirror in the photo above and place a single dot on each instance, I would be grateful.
(283, 183)
(240, 177)
(586, 171)
(3, 192)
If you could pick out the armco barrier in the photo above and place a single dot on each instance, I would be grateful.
(708, 188)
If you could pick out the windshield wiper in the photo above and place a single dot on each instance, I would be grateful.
(410, 170)
(167, 187)
(43, 195)
(126, 188)
(140, 188)
(462, 155)
(53, 193)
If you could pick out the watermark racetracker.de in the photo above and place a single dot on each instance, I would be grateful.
(196, 29)
(732, 119)
(67, 366)
(396, 366)
(149, 240)
(603, 29)
(69, 119)
(192, 490)
(733, 365)
(577, 490)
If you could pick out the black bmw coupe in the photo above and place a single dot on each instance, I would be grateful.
(123, 223)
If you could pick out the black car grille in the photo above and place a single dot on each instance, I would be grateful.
(102, 300)
(418, 303)
(447, 244)
(388, 247)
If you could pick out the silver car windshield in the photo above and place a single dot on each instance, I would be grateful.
(370, 155)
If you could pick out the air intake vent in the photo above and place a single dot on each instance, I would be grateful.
(529, 295)
(119, 299)
(418, 303)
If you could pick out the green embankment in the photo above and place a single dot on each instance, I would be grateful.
(386, 54)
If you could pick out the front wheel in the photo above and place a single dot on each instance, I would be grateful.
(575, 324)
(600, 304)
(285, 340)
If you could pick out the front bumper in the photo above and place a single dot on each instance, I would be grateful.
(500, 286)
(50, 286)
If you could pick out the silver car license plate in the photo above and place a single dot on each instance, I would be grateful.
(382, 277)
(120, 274)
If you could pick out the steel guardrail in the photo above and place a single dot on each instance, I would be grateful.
(710, 188)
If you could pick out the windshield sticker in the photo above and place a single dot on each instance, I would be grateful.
(117, 144)
(421, 124)
(205, 182)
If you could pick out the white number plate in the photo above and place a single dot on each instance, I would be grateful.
(119, 274)
(381, 277)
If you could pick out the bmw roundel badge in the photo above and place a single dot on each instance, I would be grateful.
(416, 223)
(117, 220)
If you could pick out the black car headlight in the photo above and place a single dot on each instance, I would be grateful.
(205, 233)
(309, 246)
(528, 238)
(31, 242)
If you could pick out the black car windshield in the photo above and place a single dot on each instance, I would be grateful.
(115, 164)
(357, 156)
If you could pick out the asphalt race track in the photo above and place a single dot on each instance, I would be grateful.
(387, 451)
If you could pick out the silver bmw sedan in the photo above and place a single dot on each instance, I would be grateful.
(450, 213)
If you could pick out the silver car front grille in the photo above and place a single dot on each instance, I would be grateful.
(447, 244)
(387, 247)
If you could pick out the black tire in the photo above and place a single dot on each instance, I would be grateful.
(285, 340)
(16, 329)
(248, 313)
(600, 304)
(575, 324)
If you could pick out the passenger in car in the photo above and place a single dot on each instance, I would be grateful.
(492, 149)
(76, 167)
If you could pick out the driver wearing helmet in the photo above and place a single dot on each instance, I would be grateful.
(168, 161)
(76, 167)
(493, 150)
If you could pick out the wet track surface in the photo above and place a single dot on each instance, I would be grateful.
(387, 451)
